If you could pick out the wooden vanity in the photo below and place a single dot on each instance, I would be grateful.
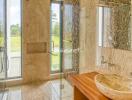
(85, 88)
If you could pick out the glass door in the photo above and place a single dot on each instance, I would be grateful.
(2, 41)
(10, 39)
(13, 40)
(61, 44)
(55, 35)
(2, 49)
(67, 38)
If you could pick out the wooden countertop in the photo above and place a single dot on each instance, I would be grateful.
(86, 85)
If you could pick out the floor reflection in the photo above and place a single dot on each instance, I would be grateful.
(51, 90)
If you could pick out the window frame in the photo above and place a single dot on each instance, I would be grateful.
(61, 36)
(5, 42)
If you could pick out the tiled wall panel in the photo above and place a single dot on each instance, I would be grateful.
(87, 35)
(36, 27)
(121, 58)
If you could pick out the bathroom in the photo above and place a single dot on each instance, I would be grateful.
(65, 50)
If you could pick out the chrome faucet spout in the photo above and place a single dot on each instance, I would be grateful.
(103, 60)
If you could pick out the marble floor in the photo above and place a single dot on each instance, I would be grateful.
(51, 90)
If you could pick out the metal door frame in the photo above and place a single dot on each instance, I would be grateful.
(61, 36)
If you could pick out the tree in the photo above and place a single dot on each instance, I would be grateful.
(0, 29)
(15, 30)
(56, 29)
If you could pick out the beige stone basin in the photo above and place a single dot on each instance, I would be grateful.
(114, 87)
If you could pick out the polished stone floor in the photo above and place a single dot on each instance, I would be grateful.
(51, 90)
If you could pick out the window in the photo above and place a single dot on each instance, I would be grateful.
(14, 38)
(10, 38)
(61, 37)
(56, 37)
(104, 25)
(100, 23)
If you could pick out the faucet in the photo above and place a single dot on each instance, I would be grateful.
(103, 60)
(113, 68)
(110, 64)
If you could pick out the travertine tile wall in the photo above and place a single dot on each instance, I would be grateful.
(121, 58)
(87, 35)
(36, 27)
(115, 1)
(89, 58)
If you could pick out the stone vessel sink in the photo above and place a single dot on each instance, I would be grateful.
(114, 87)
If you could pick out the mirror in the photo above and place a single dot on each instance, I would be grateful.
(114, 24)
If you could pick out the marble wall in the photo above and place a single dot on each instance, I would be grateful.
(115, 1)
(36, 27)
(121, 58)
(36, 30)
(87, 35)
(90, 54)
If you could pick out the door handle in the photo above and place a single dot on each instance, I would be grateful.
(53, 45)
(52, 54)
(7, 63)
(68, 41)
(4, 60)
(1, 64)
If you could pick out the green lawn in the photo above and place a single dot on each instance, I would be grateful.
(15, 43)
(56, 40)
(55, 58)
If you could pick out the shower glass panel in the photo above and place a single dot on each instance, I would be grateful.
(13, 38)
(55, 36)
(67, 38)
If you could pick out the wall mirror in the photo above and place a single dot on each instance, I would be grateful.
(114, 24)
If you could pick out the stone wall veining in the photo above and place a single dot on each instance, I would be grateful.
(121, 58)
(36, 27)
(87, 35)
(36, 18)
(88, 55)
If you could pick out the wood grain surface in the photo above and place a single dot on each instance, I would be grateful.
(85, 88)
